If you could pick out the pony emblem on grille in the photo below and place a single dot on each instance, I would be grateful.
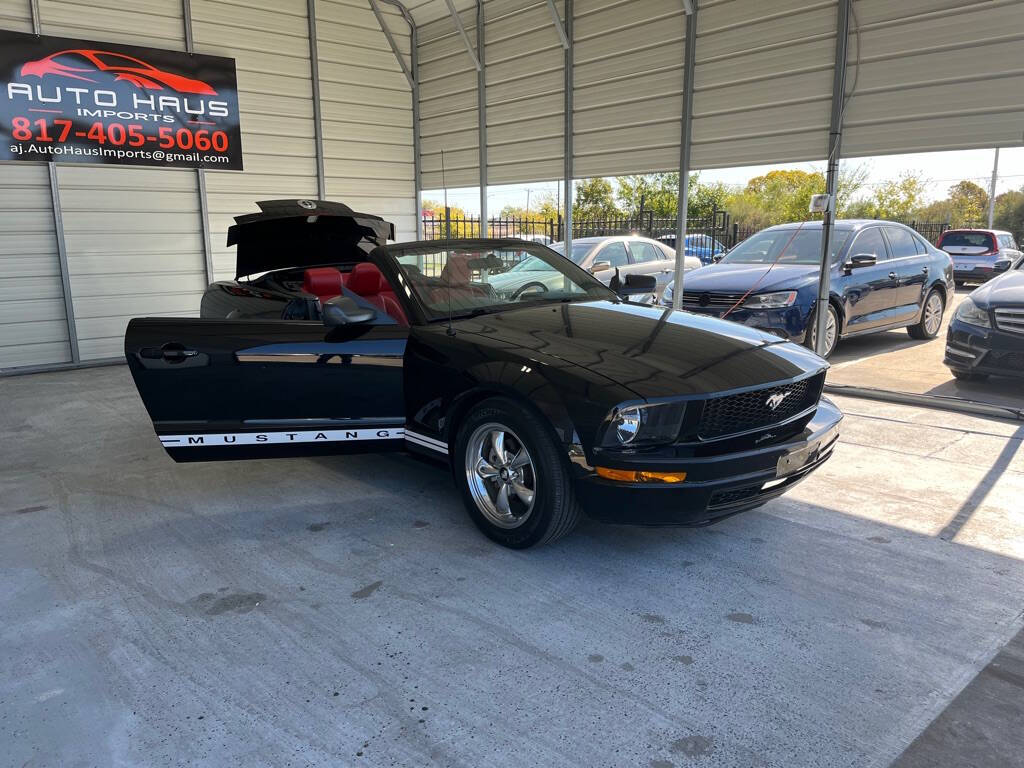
(775, 400)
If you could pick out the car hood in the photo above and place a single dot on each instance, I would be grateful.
(1006, 289)
(652, 352)
(737, 278)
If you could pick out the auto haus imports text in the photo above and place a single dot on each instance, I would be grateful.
(94, 103)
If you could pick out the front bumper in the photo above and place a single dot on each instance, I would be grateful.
(716, 486)
(788, 323)
(987, 351)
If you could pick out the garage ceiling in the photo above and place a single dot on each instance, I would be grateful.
(933, 75)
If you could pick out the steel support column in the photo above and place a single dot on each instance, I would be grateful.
(412, 74)
(684, 155)
(558, 24)
(204, 211)
(835, 138)
(481, 97)
(58, 226)
(568, 150)
(314, 73)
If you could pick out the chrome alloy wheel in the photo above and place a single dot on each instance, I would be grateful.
(933, 314)
(830, 331)
(501, 477)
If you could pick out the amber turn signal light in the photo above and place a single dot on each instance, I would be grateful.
(634, 476)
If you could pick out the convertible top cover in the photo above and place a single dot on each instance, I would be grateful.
(303, 233)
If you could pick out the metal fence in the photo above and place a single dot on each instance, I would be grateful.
(718, 225)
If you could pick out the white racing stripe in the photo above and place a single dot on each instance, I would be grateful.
(206, 440)
(426, 442)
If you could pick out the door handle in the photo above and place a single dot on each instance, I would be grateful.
(924, 270)
(172, 352)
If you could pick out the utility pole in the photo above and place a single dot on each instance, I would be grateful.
(992, 190)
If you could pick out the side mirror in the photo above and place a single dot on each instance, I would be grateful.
(342, 310)
(633, 284)
(718, 257)
(600, 266)
(861, 260)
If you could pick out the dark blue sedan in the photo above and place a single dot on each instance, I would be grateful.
(884, 276)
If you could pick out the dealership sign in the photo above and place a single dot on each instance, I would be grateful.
(86, 102)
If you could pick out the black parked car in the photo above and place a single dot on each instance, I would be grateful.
(544, 403)
(986, 333)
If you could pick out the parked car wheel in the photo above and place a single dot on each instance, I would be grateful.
(513, 475)
(931, 317)
(831, 332)
(966, 376)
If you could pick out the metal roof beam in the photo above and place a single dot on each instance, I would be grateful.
(462, 32)
(391, 39)
(558, 24)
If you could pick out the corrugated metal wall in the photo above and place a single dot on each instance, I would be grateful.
(269, 40)
(628, 82)
(33, 328)
(762, 88)
(134, 236)
(367, 115)
(448, 103)
(936, 74)
(525, 91)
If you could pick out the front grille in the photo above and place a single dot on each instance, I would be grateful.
(1011, 361)
(732, 496)
(704, 299)
(733, 414)
(1010, 320)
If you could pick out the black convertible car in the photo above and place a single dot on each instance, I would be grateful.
(547, 399)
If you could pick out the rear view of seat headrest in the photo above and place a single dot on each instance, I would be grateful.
(323, 282)
(366, 280)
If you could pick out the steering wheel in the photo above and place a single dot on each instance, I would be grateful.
(519, 292)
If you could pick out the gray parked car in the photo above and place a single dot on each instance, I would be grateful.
(630, 254)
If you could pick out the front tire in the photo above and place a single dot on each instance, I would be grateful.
(513, 475)
(831, 331)
(967, 376)
(931, 317)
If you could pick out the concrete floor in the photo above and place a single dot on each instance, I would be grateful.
(893, 361)
(344, 611)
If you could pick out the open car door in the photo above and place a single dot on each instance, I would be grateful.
(238, 389)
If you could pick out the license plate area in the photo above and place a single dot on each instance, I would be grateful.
(799, 458)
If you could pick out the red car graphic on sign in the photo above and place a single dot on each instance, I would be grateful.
(88, 65)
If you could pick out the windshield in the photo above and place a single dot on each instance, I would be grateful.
(468, 279)
(967, 239)
(579, 250)
(785, 246)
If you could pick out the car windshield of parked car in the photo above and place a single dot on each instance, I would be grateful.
(785, 246)
(579, 250)
(468, 281)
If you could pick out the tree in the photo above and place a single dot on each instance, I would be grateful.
(657, 193)
(462, 225)
(593, 199)
(704, 199)
(1010, 212)
(895, 199)
(781, 196)
(969, 203)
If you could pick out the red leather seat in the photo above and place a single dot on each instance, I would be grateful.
(323, 282)
(367, 281)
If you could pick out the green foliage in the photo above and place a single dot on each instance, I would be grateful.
(969, 203)
(705, 199)
(895, 199)
(656, 193)
(1009, 213)
(594, 199)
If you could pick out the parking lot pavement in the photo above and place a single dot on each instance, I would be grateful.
(344, 611)
(893, 361)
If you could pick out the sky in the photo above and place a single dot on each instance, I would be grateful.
(940, 170)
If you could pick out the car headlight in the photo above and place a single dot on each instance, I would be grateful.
(645, 424)
(969, 312)
(771, 300)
